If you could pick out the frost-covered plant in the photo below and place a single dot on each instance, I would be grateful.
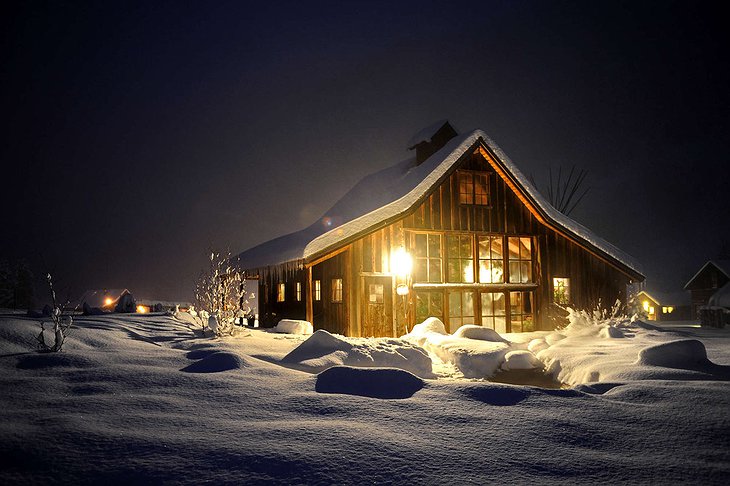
(220, 292)
(61, 324)
(582, 319)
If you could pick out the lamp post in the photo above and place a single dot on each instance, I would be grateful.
(401, 266)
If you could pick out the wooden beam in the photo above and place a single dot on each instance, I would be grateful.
(309, 303)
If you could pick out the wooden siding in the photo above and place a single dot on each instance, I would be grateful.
(593, 281)
(332, 316)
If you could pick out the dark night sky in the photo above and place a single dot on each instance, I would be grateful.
(135, 136)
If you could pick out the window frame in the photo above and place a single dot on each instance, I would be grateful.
(317, 284)
(428, 258)
(561, 290)
(337, 290)
(281, 292)
(467, 188)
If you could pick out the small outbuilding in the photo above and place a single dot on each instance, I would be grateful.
(711, 277)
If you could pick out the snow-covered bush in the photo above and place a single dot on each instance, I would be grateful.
(61, 324)
(220, 292)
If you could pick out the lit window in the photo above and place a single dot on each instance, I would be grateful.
(520, 313)
(493, 311)
(473, 188)
(670, 309)
(561, 290)
(461, 309)
(299, 291)
(280, 289)
(491, 259)
(520, 259)
(429, 304)
(376, 293)
(460, 259)
(317, 290)
(336, 290)
(427, 257)
(664, 310)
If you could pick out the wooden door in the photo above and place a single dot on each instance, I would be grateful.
(377, 307)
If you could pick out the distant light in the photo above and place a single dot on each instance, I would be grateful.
(141, 309)
(108, 301)
(401, 262)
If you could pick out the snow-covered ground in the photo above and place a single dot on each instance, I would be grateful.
(143, 399)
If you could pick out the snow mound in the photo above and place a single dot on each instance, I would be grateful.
(386, 383)
(687, 354)
(321, 343)
(293, 326)
(323, 350)
(610, 332)
(498, 395)
(217, 362)
(471, 331)
(536, 345)
(520, 360)
(430, 325)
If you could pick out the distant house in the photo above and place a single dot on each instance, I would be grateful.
(455, 232)
(663, 306)
(104, 299)
(707, 281)
(156, 305)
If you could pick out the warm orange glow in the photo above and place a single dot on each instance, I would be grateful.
(401, 262)
(141, 309)
(108, 301)
(646, 305)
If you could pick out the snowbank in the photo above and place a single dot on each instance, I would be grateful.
(597, 348)
(475, 351)
(323, 350)
(293, 326)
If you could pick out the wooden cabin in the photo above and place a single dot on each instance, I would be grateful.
(456, 232)
(663, 306)
(712, 276)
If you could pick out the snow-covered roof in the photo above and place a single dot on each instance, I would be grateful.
(668, 298)
(426, 134)
(390, 193)
(97, 297)
(722, 265)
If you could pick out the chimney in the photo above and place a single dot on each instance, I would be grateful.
(429, 140)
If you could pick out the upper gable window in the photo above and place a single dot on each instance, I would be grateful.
(473, 188)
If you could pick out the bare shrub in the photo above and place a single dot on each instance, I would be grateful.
(220, 292)
(61, 324)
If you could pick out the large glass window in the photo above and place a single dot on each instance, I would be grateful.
(494, 311)
(473, 188)
(520, 312)
(428, 258)
(520, 259)
(491, 259)
(461, 309)
(460, 259)
(429, 304)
